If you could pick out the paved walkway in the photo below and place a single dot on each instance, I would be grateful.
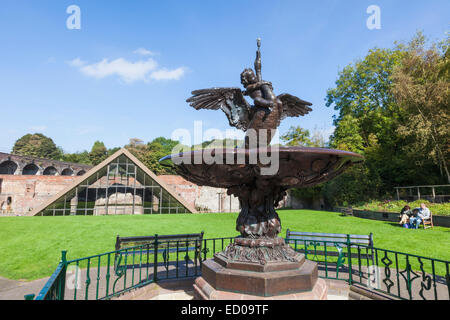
(16, 290)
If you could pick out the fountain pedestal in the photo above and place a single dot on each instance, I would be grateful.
(290, 277)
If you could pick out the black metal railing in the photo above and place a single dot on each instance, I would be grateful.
(398, 274)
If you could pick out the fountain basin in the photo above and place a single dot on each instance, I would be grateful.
(297, 166)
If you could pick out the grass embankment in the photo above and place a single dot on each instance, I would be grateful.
(440, 209)
(30, 246)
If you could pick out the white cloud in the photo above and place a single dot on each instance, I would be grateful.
(144, 52)
(128, 71)
(76, 62)
(165, 74)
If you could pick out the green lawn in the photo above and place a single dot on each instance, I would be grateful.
(30, 246)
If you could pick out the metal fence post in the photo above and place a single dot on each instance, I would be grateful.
(349, 250)
(62, 283)
(155, 259)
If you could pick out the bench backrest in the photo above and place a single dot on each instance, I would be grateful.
(164, 241)
(328, 238)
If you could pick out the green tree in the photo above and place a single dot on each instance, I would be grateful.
(422, 88)
(297, 136)
(367, 121)
(150, 154)
(167, 145)
(393, 109)
(77, 157)
(37, 145)
(98, 153)
(112, 151)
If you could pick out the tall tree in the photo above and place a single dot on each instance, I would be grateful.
(98, 153)
(368, 117)
(422, 87)
(393, 109)
(37, 145)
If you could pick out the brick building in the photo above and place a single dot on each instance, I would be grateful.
(27, 183)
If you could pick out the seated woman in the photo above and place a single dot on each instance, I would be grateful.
(404, 216)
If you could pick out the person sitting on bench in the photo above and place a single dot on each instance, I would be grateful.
(423, 213)
(405, 214)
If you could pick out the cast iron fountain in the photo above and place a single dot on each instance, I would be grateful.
(258, 263)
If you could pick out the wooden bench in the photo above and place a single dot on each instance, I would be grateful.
(428, 223)
(160, 244)
(336, 240)
(346, 211)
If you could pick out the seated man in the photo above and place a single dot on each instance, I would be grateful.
(423, 213)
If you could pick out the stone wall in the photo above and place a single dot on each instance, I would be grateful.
(27, 192)
(294, 203)
(204, 199)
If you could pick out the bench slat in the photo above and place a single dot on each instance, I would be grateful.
(183, 240)
(328, 238)
(330, 241)
(363, 255)
(180, 249)
(334, 235)
(163, 237)
(171, 244)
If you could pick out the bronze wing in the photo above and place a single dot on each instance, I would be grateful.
(293, 106)
(229, 100)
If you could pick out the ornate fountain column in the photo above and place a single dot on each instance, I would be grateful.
(259, 263)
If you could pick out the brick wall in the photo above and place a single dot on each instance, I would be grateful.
(28, 192)
(203, 198)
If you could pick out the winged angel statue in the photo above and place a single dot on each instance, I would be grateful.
(259, 121)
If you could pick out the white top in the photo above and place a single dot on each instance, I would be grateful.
(424, 213)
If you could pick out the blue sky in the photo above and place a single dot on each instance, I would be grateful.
(98, 83)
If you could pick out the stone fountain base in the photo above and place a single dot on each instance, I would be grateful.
(226, 277)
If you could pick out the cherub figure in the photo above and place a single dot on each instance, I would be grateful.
(268, 110)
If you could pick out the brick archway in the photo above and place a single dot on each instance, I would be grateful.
(8, 167)
(67, 172)
(50, 171)
(30, 169)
